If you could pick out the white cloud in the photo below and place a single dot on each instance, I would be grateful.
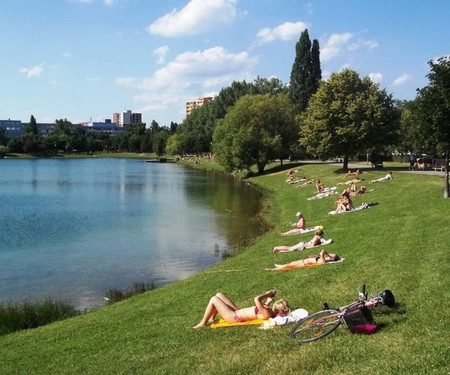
(338, 44)
(66, 54)
(309, 8)
(35, 71)
(109, 2)
(189, 74)
(196, 17)
(285, 31)
(161, 53)
(376, 77)
(401, 80)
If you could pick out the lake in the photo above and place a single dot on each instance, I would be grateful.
(73, 229)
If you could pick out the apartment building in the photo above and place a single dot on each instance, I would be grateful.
(126, 117)
(196, 103)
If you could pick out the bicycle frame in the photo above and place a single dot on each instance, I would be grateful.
(324, 322)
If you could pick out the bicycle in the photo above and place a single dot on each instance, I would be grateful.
(322, 323)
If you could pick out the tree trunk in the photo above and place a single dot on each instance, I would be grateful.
(446, 177)
(345, 165)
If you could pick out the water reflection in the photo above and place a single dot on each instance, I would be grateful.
(76, 228)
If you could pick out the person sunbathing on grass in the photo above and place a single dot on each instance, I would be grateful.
(351, 182)
(222, 305)
(350, 173)
(312, 260)
(385, 178)
(315, 241)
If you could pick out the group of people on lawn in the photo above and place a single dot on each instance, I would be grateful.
(262, 309)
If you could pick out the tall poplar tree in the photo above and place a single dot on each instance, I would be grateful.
(306, 73)
(31, 126)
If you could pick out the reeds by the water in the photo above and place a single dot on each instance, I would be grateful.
(17, 316)
(115, 295)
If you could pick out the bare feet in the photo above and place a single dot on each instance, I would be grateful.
(199, 325)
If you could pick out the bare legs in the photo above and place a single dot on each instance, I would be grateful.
(281, 267)
(218, 304)
(284, 249)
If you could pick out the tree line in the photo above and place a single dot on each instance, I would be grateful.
(253, 123)
(68, 138)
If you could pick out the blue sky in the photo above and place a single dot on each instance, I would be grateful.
(85, 59)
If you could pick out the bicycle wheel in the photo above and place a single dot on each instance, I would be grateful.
(316, 326)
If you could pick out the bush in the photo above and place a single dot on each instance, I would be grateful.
(18, 316)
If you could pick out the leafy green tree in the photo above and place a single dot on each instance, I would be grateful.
(146, 142)
(134, 143)
(3, 137)
(15, 145)
(434, 111)
(3, 151)
(154, 127)
(252, 132)
(138, 129)
(306, 73)
(31, 143)
(409, 139)
(159, 142)
(31, 127)
(173, 127)
(62, 127)
(348, 115)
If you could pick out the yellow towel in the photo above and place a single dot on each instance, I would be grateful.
(222, 323)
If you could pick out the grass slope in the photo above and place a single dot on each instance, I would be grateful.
(401, 244)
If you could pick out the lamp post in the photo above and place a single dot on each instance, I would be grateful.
(446, 176)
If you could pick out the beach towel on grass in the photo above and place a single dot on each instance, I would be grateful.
(313, 229)
(322, 243)
(322, 195)
(295, 316)
(312, 264)
(357, 208)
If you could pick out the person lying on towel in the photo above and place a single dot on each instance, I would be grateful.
(315, 241)
(312, 260)
(222, 305)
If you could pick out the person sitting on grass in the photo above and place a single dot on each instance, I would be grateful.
(385, 178)
(222, 305)
(344, 203)
(315, 241)
(355, 192)
(299, 225)
(312, 260)
(319, 187)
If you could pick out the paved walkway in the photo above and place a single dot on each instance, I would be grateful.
(394, 169)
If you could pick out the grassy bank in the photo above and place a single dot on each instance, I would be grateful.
(400, 244)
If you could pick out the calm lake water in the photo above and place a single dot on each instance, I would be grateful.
(73, 229)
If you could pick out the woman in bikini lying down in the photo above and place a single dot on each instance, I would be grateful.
(323, 258)
(315, 241)
(222, 305)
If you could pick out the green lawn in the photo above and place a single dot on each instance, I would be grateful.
(401, 244)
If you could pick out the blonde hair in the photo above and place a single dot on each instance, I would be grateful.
(281, 306)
